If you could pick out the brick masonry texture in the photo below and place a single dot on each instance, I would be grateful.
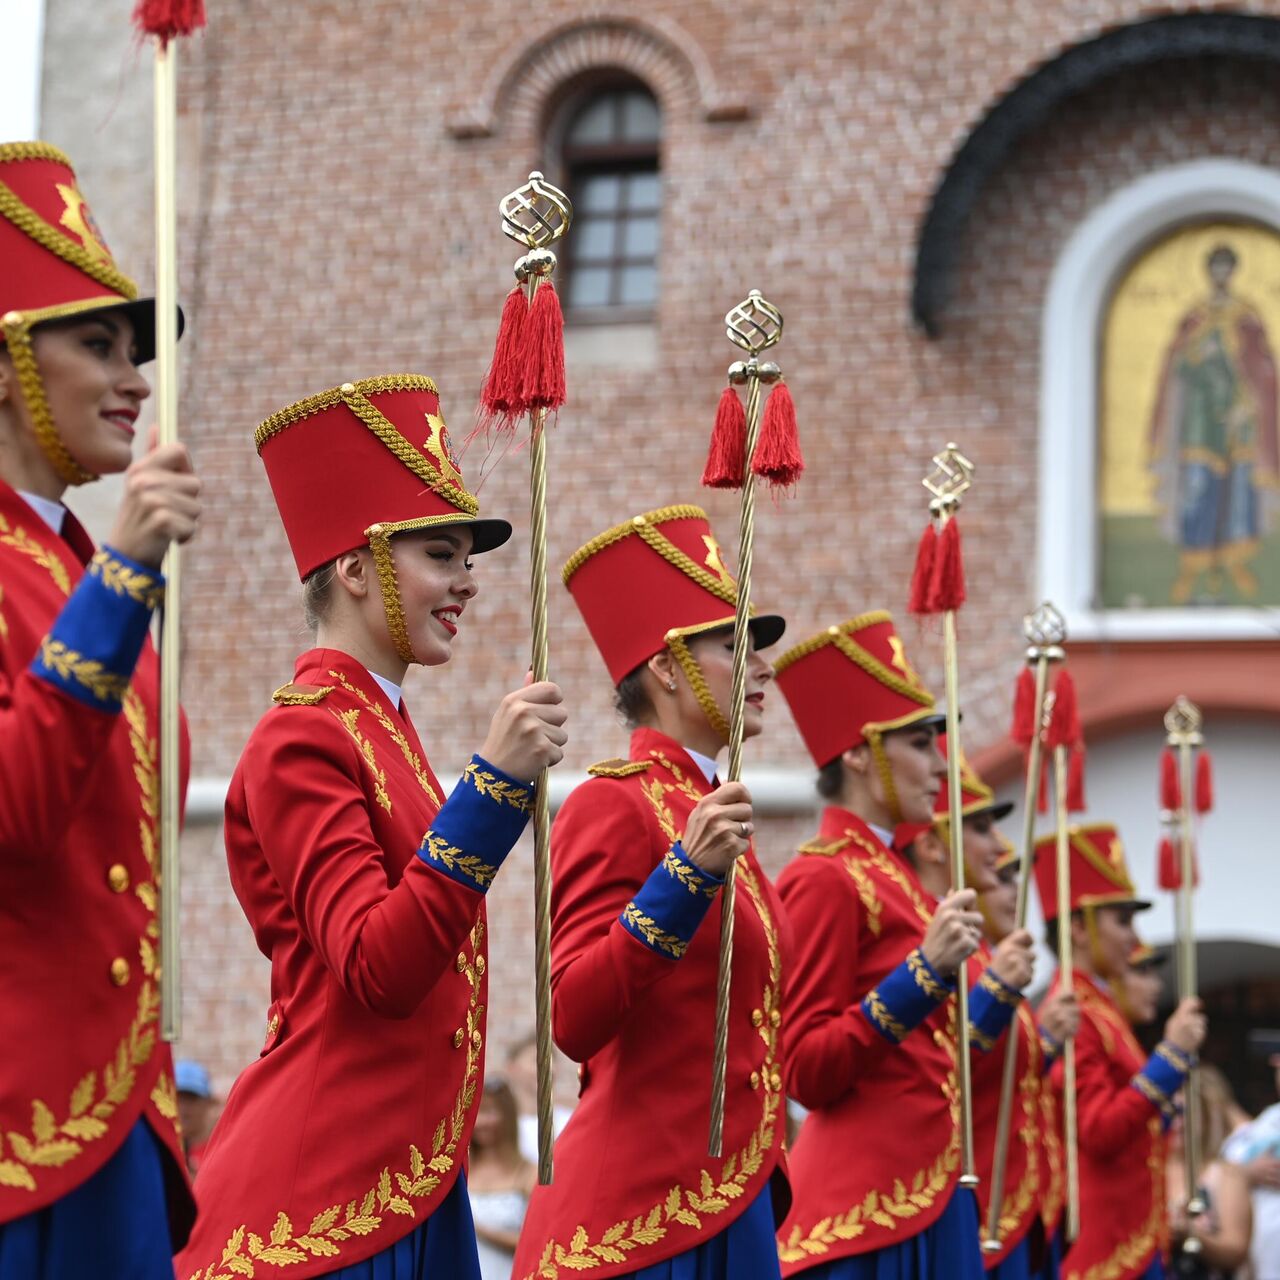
(341, 167)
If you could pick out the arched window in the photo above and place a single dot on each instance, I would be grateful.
(610, 155)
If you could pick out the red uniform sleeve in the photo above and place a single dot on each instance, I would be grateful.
(604, 846)
(1112, 1113)
(386, 945)
(829, 1039)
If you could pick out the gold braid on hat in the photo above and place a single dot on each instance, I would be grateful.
(384, 561)
(698, 683)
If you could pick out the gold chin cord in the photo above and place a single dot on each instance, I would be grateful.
(1045, 632)
(536, 215)
(166, 322)
(1183, 723)
(950, 479)
(754, 326)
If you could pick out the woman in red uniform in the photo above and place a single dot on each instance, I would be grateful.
(92, 1179)
(340, 1151)
(1125, 1099)
(639, 853)
(1002, 966)
(871, 1041)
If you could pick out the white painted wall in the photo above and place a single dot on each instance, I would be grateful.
(21, 37)
(1239, 898)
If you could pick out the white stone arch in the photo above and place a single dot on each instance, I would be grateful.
(1086, 270)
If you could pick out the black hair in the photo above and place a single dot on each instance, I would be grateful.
(831, 779)
(631, 699)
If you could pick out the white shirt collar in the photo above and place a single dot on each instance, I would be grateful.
(885, 837)
(51, 512)
(706, 763)
(391, 690)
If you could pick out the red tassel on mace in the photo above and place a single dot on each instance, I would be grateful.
(1075, 780)
(946, 587)
(1168, 872)
(168, 18)
(778, 458)
(1023, 729)
(726, 459)
(542, 383)
(501, 399)
(922, 574)
(1066, 709)
(1204, 783)
(1170, 792)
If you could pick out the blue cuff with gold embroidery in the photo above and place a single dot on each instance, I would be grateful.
(992, 1004)
(478, 825)
(905, 997)
(1161, 1077)
(94, 643)
(671, 904)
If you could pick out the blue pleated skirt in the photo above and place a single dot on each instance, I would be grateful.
(1015, 1265)
(442, 1248)
(113, 1224)
(745, 1250)
(947, 1250)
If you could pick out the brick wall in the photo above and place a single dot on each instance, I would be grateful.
(341, 168)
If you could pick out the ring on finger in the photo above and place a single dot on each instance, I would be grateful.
(746, 831)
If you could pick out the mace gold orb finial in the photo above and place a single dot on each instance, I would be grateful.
(1183, 722)
(536, 214)
(951, 476)
(755, 324)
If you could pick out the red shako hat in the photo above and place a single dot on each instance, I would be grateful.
(650, 583)
(56, 265)
(361, 463)
(1099, 874)
(850, 684)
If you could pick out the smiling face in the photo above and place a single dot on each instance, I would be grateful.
(713, 652)
(94, 390)
(918, 768)
(433, 571)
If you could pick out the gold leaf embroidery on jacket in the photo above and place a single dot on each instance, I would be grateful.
(648, 929)
(688, 875)
(1020, 1201)
(348, 720)
(689, 1206)
(19, 539)
(1130, 1254)
(879, 1013)
(438, 849)
(395, 733)
(990, 983)
(51, 1143)
(498, 789)
(923, 978)
(71, 664)
(617, 768)
(888, 1209)
(118, 577)
(871, 904)
(394, 1192)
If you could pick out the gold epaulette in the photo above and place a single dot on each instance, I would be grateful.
(825, 848)
(618, 768)
(301, 695)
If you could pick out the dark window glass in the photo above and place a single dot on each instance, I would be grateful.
(611, 155)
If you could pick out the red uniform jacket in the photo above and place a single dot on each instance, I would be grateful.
(635, 953)
(78, 803)
(1023, 1188)
(1125, 1105)
(863, 1046)
(367, 896)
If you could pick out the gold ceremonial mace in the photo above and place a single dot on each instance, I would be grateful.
(951, 477)
(1066, 967)
(166, 321)
(1182, 724)
(754, 325)
(1045, 631)
(536, 215)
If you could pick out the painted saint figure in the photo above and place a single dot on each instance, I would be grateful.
(1213, 437)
